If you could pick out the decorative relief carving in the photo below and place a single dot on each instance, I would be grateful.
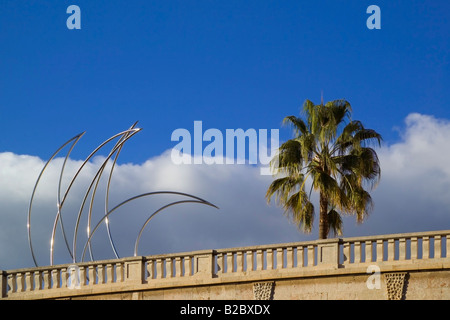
(395, 284)
(263, 290)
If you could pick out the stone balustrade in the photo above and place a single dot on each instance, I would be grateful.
(207, 266)
(63, 276)
(395, 248)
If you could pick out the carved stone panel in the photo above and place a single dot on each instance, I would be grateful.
(263, 290)
(395, 283)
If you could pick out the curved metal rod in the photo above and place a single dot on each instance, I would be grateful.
(129, 134)
(70, 186)
(131, 199)
(124, 136)
(159, 210)
(108, 229)
(116, 149)
(58, 204)
(76, 138)
(118, 146)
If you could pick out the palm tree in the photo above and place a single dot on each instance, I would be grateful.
(333, 154)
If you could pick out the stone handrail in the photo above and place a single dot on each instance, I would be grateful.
(332, 254)
(63, 276)
(396, 247)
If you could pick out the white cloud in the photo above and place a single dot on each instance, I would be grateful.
(414, 192)
(243, 218)
(413, 195)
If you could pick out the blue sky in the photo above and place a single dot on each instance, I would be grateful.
(230, 64)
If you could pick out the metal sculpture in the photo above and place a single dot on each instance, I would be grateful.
(114, 153)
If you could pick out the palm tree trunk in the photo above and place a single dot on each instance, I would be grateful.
(323, 219)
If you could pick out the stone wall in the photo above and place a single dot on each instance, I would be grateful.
(399, 266)
(422, 285)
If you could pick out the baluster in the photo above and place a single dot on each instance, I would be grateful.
(310, 256)
(47, 279)
(426, 247)
(37, 280)
(151, 274)
(178, 267)
(73, 273)
(250, 261)
(346, 253)
(402, 249)
(56, 278)
(357, 251)
(300, 257)
(72, 277)
(64, 278)
(414, 248)
(21, 282)
(280, 258)
(12, 282)
(29, 277)
(220, 263)
(159, 268)
(391, 249)
(120, 272)
(380, 250)
(169, 268)
(270, 259)
(437, 246)
(289, 257)
(101, 274)
(83, 276)
(91, 272)
(109, 273)
(239, 261)
(69, 273)
(259, 260)
(230, 262)
(369, 253)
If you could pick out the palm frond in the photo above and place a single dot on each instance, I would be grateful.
(283, 187)
(336, 153)
(335, 222)
(298, 124)
(300, 210)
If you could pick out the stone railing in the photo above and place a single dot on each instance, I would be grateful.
(206, 266)
(42, 279)
(395, 248)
